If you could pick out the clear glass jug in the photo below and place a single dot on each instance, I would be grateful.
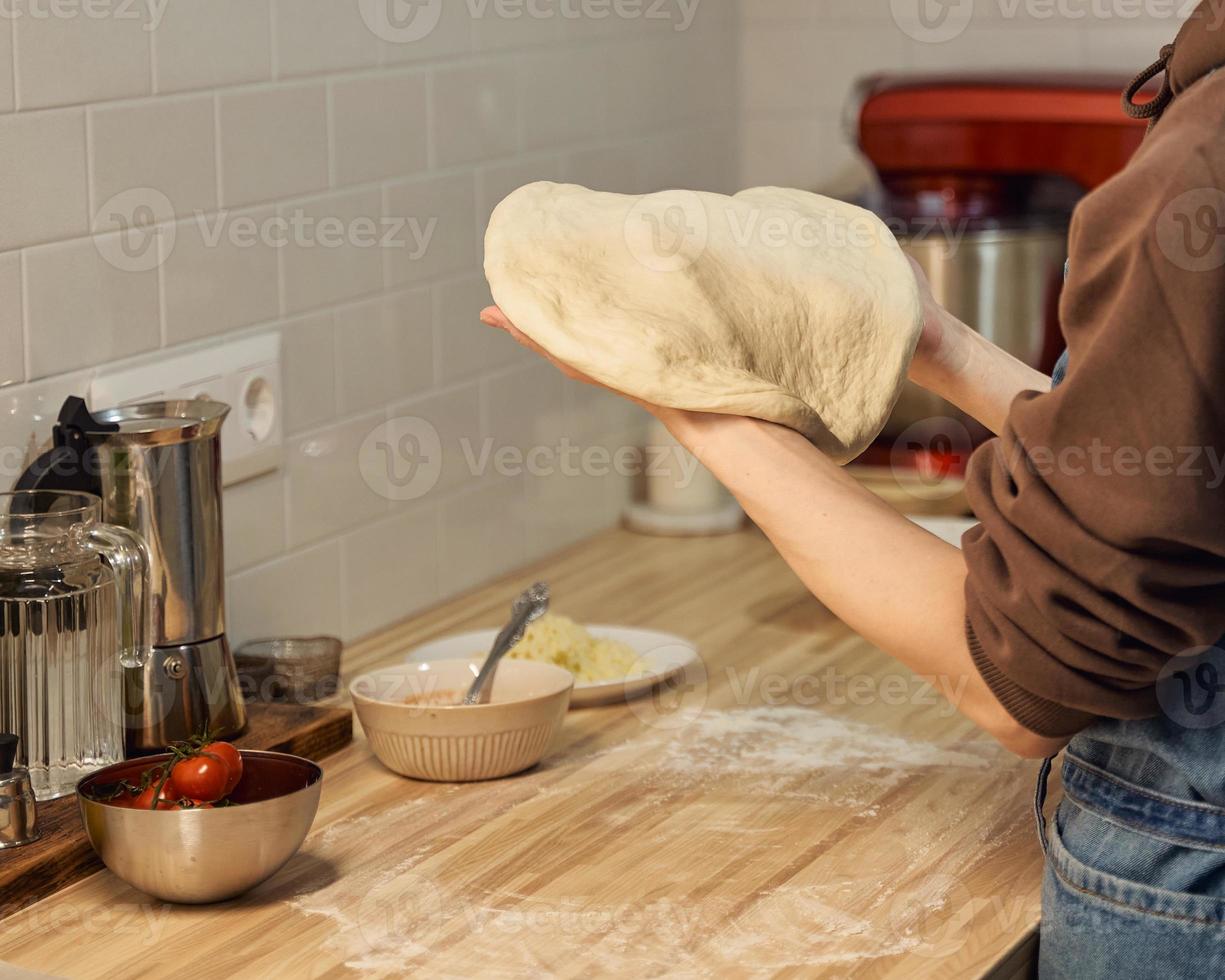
(73, 614)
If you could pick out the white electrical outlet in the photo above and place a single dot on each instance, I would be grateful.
(245, 374)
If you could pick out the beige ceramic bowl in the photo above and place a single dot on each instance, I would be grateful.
(415, 727)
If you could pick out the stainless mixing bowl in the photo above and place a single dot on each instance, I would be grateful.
(199, 856)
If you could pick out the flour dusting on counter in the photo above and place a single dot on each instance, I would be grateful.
(797, 740)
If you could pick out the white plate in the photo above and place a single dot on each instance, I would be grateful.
(665, 654)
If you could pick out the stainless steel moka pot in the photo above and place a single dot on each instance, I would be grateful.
(157, 468)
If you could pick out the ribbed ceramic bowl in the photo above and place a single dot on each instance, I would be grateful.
(199, 856)
(415, 733)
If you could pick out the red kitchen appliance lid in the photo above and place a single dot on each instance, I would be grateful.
(1070, 125)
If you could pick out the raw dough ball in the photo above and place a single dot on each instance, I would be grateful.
(776, 304)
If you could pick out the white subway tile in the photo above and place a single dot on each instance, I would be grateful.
(7, 102)
(380, 127)
(384, 351)
(440, 232)
(338, 254)
(274, 143)
(322, 35)
(81, 310)
(456, 416)
(527, 407)
(644, 78)
(562, 95)
(1003, 48)
(308, 365)
(167, 146)
(12, 357)
(1125, 49)
(504, 26)
(482, 536)
(69, 60)
(254, 521)
(612, 167)
(207, 43)
(475, 114)
(390, 570)
(325, 489)
(447, 31)
(43, 195)
(220, 274)
(466, 346)
(298, 595)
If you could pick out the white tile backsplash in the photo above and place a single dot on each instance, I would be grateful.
(438, 231)
(12, 356)
(288, 136)
(308, 366)
(391, 564)
(6, 65)
(380, 126)
(207, 43)
(313, 36)
(338, 254)
(220, 275)
(299, 594)
(274, 143)
(325, 490)
(254, 522)
(67, 60)
(484, 96)
(108, 313)
(167, 145)
(384, 351)
(466, 347)
(43, 195)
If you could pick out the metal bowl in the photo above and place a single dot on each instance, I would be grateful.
(199, 856)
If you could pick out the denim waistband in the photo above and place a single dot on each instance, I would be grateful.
(1184, 822)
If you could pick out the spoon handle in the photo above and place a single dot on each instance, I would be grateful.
(529, 607)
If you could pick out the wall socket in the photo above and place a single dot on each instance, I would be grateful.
(244, 373)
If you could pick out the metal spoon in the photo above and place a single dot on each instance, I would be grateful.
(528, 608)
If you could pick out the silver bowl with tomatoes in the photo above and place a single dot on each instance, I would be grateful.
(200, 825)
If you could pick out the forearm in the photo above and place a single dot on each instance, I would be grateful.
(965, 368)
(892, 582)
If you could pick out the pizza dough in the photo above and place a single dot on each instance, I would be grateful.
(776, 304)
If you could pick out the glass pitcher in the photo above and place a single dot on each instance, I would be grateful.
(73, 614)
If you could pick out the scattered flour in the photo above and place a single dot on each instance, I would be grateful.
(387, 920)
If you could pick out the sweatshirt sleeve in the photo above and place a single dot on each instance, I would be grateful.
(1101, 549)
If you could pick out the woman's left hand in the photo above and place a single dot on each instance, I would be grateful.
(691, 429)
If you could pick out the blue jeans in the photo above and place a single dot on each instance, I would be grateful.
(1135, 871)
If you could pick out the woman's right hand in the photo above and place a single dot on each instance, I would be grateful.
(943, 349)
(963, 367)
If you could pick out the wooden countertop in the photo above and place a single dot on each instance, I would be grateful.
(810, 809)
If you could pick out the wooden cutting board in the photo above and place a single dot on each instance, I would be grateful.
(64, 855)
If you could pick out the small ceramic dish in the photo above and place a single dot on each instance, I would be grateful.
(665, 655)
(416, 726)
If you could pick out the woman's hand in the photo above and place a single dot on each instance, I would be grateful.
(694, 430)
(943, 349)
(963, 367)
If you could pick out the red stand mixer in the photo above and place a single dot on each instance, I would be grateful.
(978, 176)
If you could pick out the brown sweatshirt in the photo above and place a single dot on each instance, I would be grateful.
(1101, 553)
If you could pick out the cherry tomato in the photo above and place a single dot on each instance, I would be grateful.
(231, 757)
(200, 777)
(167, 800)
